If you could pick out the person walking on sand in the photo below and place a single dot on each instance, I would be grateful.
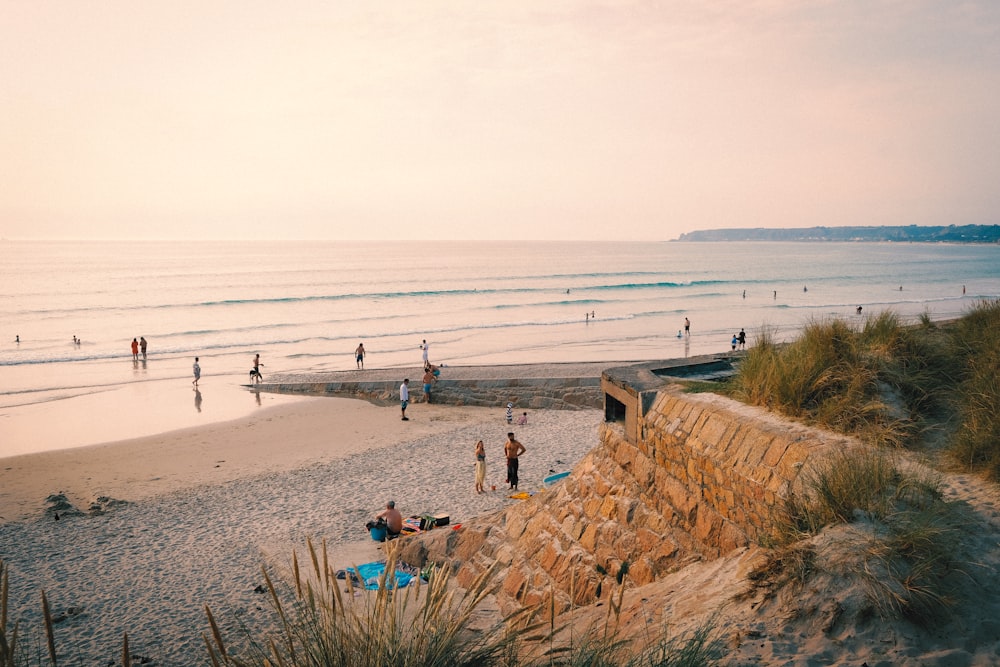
(359, 355)
(428, 381)
(142, 345)
(404, 397)
(513, 449)
(735, 341)
(255, 371)
(135, 350)
(424, 346)
(480, 466)
(197, 372)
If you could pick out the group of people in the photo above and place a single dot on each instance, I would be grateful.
(740, 340)
(138, 346)
(392, 519)
(255, 374)
(512, 450)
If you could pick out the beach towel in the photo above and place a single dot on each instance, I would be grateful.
(371, 575)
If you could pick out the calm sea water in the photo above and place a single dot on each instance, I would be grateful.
(306, 305)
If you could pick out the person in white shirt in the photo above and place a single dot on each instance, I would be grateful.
(404, 397)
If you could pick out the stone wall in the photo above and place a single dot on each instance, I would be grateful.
(704, 478)
(533, 393)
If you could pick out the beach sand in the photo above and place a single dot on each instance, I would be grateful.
(170, 523)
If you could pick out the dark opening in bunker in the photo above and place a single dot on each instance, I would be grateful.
(614, 410)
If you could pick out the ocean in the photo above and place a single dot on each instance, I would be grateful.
(305, 306)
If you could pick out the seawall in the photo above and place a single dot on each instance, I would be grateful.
(701, 475)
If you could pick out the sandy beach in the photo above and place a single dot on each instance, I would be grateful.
(166, 524)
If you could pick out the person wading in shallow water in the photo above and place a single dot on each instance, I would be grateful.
(513, 449)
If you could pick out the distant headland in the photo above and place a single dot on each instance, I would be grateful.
(905, 233)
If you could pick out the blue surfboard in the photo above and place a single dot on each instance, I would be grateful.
(551, 479)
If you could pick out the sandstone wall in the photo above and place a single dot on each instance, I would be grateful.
(704, 477)
(532, 393)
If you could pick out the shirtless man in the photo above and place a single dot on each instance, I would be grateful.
(393, 519)
(428, 382)
(257, 377)
(359, 355)
(512, 449)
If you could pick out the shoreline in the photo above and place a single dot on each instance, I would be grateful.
(188, 517)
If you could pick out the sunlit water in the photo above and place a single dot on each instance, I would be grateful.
(306, 306)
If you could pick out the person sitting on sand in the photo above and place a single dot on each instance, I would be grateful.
(393, 519)
(523, 419)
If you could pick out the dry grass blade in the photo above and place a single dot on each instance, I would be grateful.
(215, 633)
(49, 630)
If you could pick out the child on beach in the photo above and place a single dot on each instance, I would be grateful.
(523, 419)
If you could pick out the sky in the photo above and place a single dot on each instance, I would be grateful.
(493, 119)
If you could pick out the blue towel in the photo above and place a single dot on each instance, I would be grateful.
(371, 574)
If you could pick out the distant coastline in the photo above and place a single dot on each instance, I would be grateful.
(905, 233)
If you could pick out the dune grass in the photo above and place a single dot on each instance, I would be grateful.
(912, 529)
(872, 381)
(883, 383)
(432, 625)
(976, 344)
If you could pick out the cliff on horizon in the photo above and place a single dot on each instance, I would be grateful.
(907, 233)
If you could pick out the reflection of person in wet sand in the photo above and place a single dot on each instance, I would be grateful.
(197, 399)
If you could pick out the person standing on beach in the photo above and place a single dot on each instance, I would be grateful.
(404, 397)
(743, 339)
(513, 449)
(687, 327)
(142, 346)
(428, 381)
(424, 346)
(197, 372)
(735, 341)
(135, 350)
(359, 355)
(480, 466)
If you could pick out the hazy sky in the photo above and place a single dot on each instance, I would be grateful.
(486, 120)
